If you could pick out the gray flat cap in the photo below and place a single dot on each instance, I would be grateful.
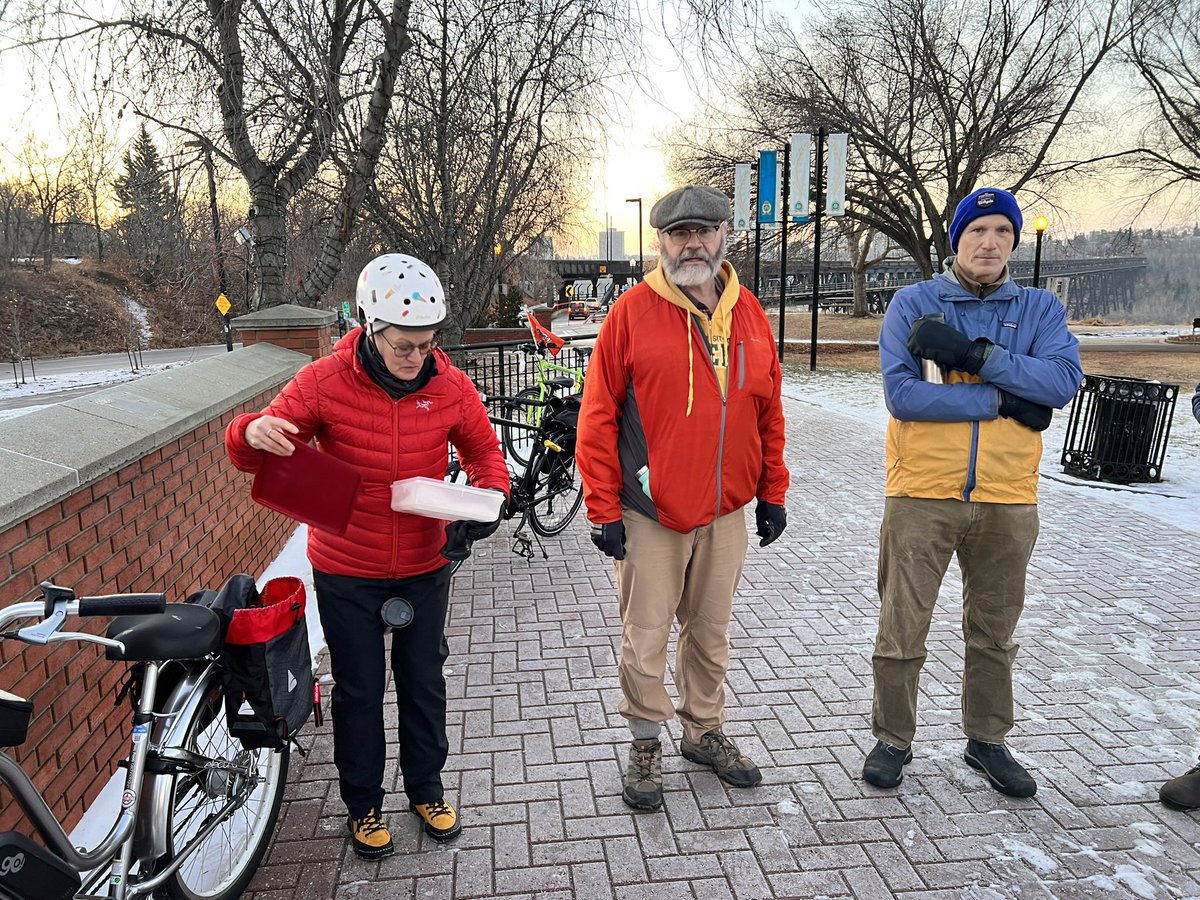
(697, 204)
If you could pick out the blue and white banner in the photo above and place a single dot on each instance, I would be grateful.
(768, 186)
(741, 197)
(835, 177)
(799, 184)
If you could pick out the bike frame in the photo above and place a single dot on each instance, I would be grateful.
(140, 833)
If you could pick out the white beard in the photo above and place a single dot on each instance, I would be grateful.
(691, 275)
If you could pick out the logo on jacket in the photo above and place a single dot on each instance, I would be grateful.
(1008, 324)
(425, 405)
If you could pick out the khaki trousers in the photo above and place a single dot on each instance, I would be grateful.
(993, 543)
(667, 575)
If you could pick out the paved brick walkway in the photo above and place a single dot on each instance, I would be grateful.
(1108, 690)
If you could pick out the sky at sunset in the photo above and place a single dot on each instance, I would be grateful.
(630, 152)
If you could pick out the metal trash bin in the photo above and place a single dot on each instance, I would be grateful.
(1118, 429)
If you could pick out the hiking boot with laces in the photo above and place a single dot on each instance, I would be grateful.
(722, 754)
(441, 821)
(642, 788)
(369, 836)
(1182, 792)
(884, 766)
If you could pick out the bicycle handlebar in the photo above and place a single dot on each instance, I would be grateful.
(123, 605)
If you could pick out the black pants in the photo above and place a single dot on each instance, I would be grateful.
(349, 610)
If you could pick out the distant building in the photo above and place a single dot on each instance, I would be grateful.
(612, 244)
(542, 248)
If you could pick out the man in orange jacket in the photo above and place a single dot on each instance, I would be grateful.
(682, 426)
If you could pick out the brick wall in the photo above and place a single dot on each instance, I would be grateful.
(316, 342)
(176, 520)
(139, 497)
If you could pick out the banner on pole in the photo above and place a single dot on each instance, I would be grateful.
(768, 186)
(835, 175)
(741, 197)
(799, 185)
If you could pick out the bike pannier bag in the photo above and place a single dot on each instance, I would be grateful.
(15, 713)
(268, 666)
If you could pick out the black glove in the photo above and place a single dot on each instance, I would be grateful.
(930, 339)
(771, 519)
(1030, 414)
(609, 538)
(460, 535)
(458, 545)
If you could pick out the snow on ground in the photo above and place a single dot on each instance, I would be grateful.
(55, 383)
(1175, 500)
(142, 315)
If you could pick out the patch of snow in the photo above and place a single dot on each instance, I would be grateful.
(1037, 858)
(788, 807)
(141, 315)
(98, 379)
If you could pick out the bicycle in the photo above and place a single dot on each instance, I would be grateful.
(522, 412)
(198, 810)
(547, 492)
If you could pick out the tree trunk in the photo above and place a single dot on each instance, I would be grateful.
(269, 252)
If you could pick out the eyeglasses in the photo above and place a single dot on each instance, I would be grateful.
(683, 235)
(406, 349)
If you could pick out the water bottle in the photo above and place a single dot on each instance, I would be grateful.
(930, 370)
(643, 477)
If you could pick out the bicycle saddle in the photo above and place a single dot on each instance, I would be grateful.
(561, 382)
(183, 631)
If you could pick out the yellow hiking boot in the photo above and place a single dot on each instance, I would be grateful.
(370, 837)
(441, 821)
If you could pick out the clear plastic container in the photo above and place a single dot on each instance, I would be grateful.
(443, 500)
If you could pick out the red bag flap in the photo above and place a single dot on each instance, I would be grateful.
(280, 606)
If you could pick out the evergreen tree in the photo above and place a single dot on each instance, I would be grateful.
(150, 222)
(508, 305)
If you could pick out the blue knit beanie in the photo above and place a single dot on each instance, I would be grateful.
(985, 202)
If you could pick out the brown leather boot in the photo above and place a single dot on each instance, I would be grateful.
(1182, 792)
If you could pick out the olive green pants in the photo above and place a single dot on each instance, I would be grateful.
(691, 577)
(993, 543)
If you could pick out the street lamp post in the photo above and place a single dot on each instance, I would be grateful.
(1039, 226)
(641, 258)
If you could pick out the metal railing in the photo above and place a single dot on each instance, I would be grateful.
(502, 368)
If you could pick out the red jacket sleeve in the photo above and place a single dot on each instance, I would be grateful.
(476, 443)
(604, 392)
(774, 480)
(297, 403)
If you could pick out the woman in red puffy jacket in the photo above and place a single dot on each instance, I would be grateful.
(388, 402)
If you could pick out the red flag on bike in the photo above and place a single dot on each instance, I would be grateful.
(543, 335)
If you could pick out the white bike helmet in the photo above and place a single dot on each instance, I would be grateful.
(400, 290)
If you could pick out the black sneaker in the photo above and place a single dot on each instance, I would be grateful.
(1005, 774)
(642, 787)
(1182, 792)
(722, 754)
(885, 764)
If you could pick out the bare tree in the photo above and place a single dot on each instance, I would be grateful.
(264, 85)
(488, 140)
(1166, 52)
(937, 97)
(49, 183)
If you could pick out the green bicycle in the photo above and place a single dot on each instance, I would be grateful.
(524, 410)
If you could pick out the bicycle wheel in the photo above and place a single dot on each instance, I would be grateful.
(558, 494)
(222, 864)
(518, 442)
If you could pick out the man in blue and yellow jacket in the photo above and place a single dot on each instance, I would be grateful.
(972, 364)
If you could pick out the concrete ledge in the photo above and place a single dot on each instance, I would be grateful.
(48, 454)
(287, 315)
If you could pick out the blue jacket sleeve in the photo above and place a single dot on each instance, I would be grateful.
(909, 398)
(1050, 373)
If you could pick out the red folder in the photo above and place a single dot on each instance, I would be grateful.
(309, 486)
